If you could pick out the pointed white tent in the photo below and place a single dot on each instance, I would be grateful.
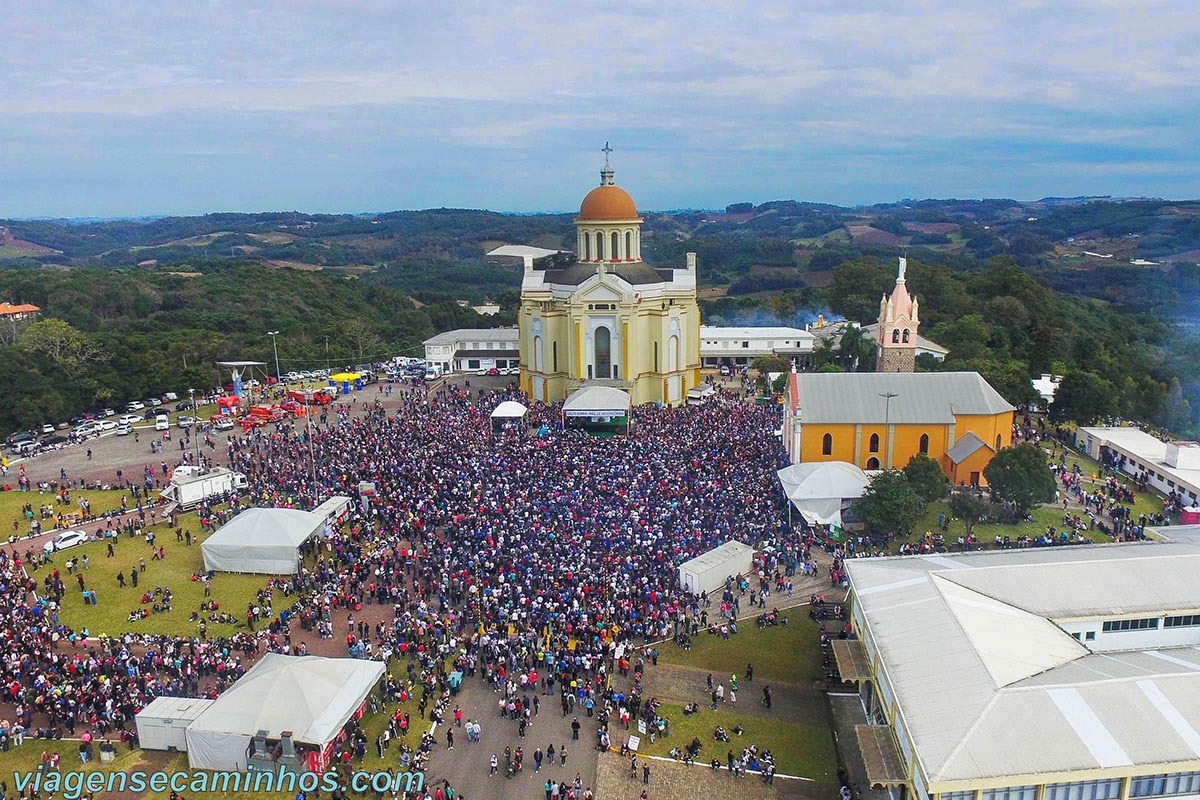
(311, 696)
(509, 409)
(819, 489)
(261, 540)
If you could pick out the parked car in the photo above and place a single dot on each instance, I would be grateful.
(162, 422)
(107, 424)
(153, 401)
(88, 428)
(124, 429)
(223, 423)
(64, 540)
(47, 428)
(186, 405)
(54, 441)
(26, 447)
(108, 412)
(130, 419)
(185, 422)
(136, 405)
(170, 397)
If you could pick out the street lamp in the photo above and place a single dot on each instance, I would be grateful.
(275, 348)
(887, 438)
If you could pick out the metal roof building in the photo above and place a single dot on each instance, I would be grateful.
(1066, 673)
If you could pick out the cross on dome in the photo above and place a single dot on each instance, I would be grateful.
(606, 174)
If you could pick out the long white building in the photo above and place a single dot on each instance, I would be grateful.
(1170, 467)
(1061, 673)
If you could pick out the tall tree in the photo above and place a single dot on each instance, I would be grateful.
(926, 478)
(889, 503)
(1083, 397)
(1021, 477)
(969, 507)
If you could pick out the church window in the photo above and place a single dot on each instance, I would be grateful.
(896, 336)
(554, 355)
(629, 244)
(872, 463)
(599, 246)
(906, 335)
(874, 442)
(616, 239)
(587, 247)
(603, 353)
(656, 356)
(999, 442)
(827, 444)
(925, 444)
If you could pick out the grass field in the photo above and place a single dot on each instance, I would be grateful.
(11, 504)
(803, 750)
(781, 654)
(110, 614)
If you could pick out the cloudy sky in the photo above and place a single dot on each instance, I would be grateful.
(142, 107)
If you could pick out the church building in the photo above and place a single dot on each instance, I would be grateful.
(609, 318)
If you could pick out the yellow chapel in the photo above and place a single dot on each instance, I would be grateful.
(609, 319)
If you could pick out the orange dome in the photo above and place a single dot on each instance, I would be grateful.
(607, 203)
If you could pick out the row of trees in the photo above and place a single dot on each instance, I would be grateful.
(1018, 481)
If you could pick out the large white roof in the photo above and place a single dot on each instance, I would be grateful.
(990, 686)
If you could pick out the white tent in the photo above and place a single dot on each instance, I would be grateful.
(262, 540)
(598, 402)
(819, 489)
(509, 409)
(310, 696)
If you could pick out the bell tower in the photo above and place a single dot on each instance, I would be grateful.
(896, 345)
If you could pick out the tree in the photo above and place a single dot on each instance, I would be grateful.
(926, 478)
(1083, 397)
(889, 503)
(969, 507)
(765, 364)
(70, 350)
(857, 287)
(1019, 476)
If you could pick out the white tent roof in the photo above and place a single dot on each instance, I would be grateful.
(262, 540)
(598, 401)
(817, 489)
(310, 696)
(509, 409)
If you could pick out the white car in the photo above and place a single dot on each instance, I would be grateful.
(108, 412)
(130, 419)
(107, 424)
(87, 429)
(223, 423)
(154, 401)
(47, 428)
(135, 406)
(124, 429)
(185, 422)
(64, 540)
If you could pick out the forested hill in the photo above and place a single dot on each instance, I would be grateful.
(1105, 290)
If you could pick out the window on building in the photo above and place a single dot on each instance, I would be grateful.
(874, 445)
(746, 344)
(1010, 793)
(1142, 624)
(599, 246)
(872, 463)
(554, 355)
(827, 444)
(925, 444)
(615, 247)
(1084, 790)
(970, 795)
(656, 356)
(999, 442)
(1090, 636)
(1184, 621)
(896, 336)
(628, 244)
(906, 335)
(473, 363)
(1165, 785)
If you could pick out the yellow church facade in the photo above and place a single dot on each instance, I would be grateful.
(881, 420)
(609, 318)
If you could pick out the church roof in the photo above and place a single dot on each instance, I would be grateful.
(917, 397)
(607, 202)
(966, 445)
(635, 273)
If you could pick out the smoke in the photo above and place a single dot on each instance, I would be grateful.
(761, 318)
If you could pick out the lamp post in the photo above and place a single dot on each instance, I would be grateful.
(887, 434)
(194, 428)
(275, 349)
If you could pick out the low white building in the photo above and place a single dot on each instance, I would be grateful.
(161, 725)
(708, 571)
(1169, 467)
(473, 349)
(738, 347)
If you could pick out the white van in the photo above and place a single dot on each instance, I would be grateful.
(162, 422)
(433, 373)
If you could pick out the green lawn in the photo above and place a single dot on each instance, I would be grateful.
(11, 504)
(110, 615)
(799, 749)
(781, 654)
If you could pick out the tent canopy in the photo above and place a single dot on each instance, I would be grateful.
(509, 409)
(262, 540)
(342, 377)
(598, 401)
(818, 489)
(310, 696)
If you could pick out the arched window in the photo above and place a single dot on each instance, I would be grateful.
(673, 354)
(629, 244)
(827, 444)
(537, 353)
(599, 246)
(896, 336)
(872, 463)
(999, 442)
(587, 247)
(906, 335)
(925, 443)
(603, 352)
(874, 442)
(616, 246)
(554, 355)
